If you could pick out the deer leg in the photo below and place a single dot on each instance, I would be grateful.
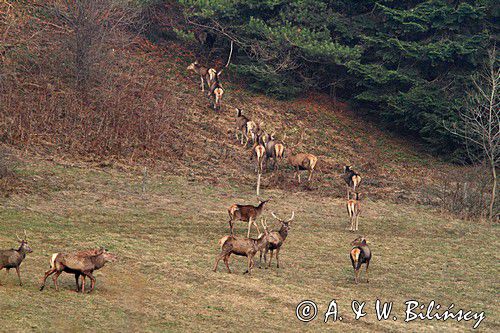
(19, 276)
(357, 221)
(310, 175)
(83, 283)
(54, 278)
(270, 258)
(265, 257)
(92, 284)
(249, 265)
(226, 261)
(277, 257)
(77, 277)
(47, 274)
(202, 83)
(367, 277)
(219, 257)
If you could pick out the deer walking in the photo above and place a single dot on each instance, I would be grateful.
(259, 152)
(202, 71)
(351, 178)
(354, 210)
(245, 213)
(302, 161)
(82, 263)
(360, 254)
(246, 247)
(13, 258)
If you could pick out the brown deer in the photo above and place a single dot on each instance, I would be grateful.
(302, 161)
(352, 179)
(275, 150)
(354, 210)
(241, 126)
(216, 91)
(245, 213)
(82, 263)
(360, 254)
(259, 152)
(13, 258)
(246, 247)
(202, 71)
(276, 240)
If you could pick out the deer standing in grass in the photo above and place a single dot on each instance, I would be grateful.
(351, 178)
(13, 258)
(82, 263)
(245, 213)
(246, 247)
(360, 254)
(277, 239)
(354, 210)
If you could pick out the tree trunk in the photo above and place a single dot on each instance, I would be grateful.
(493, 190)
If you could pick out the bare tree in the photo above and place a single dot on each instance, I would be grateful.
(479, 125)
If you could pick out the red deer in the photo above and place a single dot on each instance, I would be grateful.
(216, 91)
(202, 71)
(352, 179)
(354, 210)
(276, 240)
(246, 247)
(360, 254)
(302, 161)
(241, 126)
(82, 263)
(13, 258)
(245, 213)
(259, 152)
(275, 150)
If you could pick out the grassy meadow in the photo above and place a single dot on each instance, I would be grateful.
(166, 239)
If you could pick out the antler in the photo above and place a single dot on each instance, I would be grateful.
(277, 218)
(291, 218)
(19, 239)
(25, 235)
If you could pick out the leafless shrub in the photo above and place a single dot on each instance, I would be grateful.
(464, 193)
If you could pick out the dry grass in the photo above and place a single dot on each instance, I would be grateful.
(164, 282)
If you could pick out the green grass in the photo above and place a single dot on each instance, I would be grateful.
(166, 239)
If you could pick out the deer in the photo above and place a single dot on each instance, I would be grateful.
(82, 263)
(259, 152)
(354, 210)
(352, 179)
(277, 239)
(275, 150)
(360, 254)
(216, 91)
(302, 161)
(246, 247)
(241, 126)
(202, 71)
(13, 258)
(245, 213)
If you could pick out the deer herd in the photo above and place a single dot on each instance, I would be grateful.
(264, 147)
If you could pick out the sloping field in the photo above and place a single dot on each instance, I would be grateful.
(166, 238)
